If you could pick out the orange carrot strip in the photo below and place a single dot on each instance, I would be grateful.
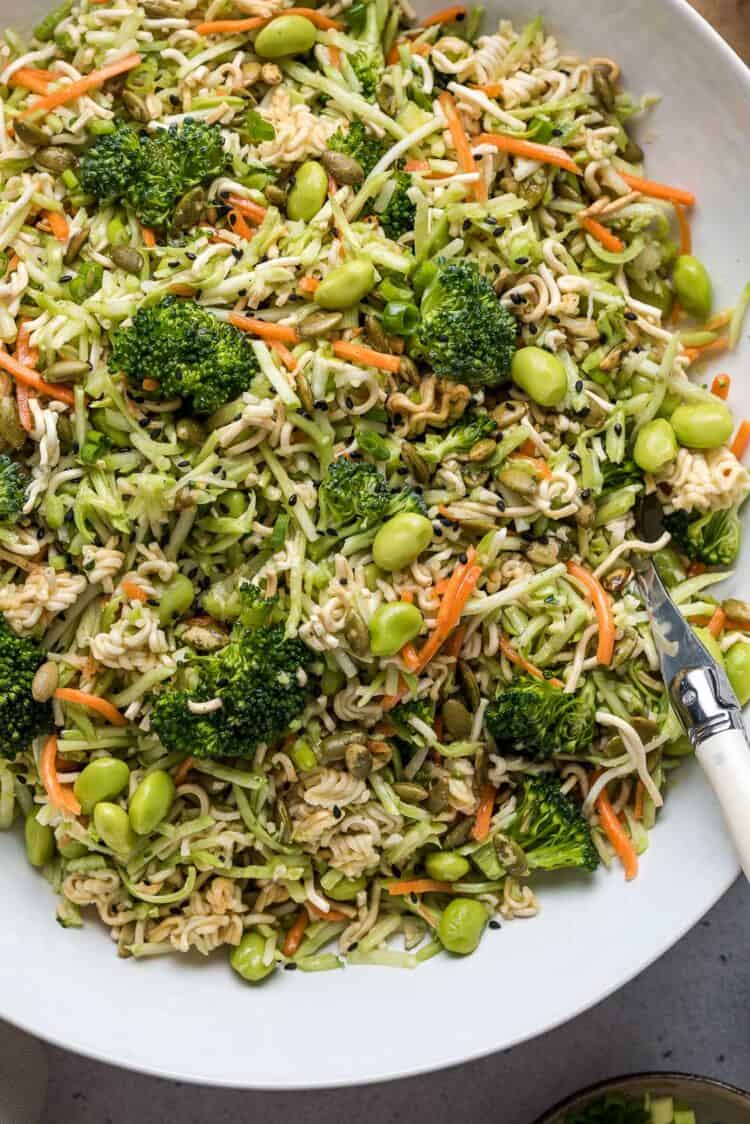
(417, 166)
(460, 588)
(696, 568)
(308, 284)
(238, 224)
(183, 769)
(284, 354)
(321, 21)
(366, 356)
(393, 56)
(31, 79)
(546, 153)
(63, 798)
(266, 330)
(24, 409)
(686, 240)
(30, 378)
(615, 832)
(603, 606)
(149, 238)
(82, 85)
(608, 240)
(441, 586)
(150, 384)
(421, 49)
(461, 144)
(93, 702)
(717, 622)
(707, 349)
(531, 669)
(410, 657)
(444, 15)
(217, 27)
(247, 208)
(296, 933)
(455, 642)
(540, 465)
(640, 793)
(418, 886)
(334, 55)
(741, 440)
(30, 357)
(491, 89)
(332, 915)
(720, 386)
(58, 224)
(133, 591)
(481, 828)
(658, 190)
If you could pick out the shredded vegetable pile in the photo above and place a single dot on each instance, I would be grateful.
(338, 350)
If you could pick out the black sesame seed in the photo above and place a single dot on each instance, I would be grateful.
(402, 470)
(495, 924)
(353, 945)
(585, 493)
(174, 99)
(466, 224)
(242, 292)
(66, 277)
(349, 403)
(332, 532)
(438, 532)
(293, 500)
(533, 329)
(397, 419)
(413, 898)
(463, 558)
(557, 132)
(500, 503)
(337, 812)
(237, 253)
(343, 581)
(319, 403)
(41, 533)
(190, 255)
(521, 261)
(630, 315)
(491, 220)
(174, 264)
(618, 429)
(602, 338)
(290, 967)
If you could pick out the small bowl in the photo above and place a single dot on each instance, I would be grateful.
(714, 1102)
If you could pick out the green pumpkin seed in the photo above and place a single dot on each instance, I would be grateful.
(407, 790)
(29, 134)
(511, 856)
(458, 834)
(189, 208)
(12, 433)
(344, 169)
(603, 87)
(127, 258)
(376, 335)
(75, 245)
(457, 719)
(482, 450)
(136, 107)
(44, 683)
(358, 760)
(67, 370)
(439, 796)
(470, 684)
(418, 467)
(319, 324)
(275, 194)
(54, 158)
(632, 153)
(304, 390)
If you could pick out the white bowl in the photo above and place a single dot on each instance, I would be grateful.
(193, 1020)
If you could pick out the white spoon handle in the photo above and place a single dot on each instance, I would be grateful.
(725, 759)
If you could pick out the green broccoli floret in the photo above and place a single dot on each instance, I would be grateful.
(465, 331)
(368, 67)
(613, 1108)
(550, 829)
(620, 475)
(358, 143)
(12, 489)
(713, 538)
(256, 676)
(399, 215)
(354, 496)
(399, 717)
(22, 718)
(459, 439)
(536, 719)
(151, 171)
(368, 62)
(188, 351)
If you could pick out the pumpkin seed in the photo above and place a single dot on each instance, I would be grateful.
(646, 729)
(318, 324)
(275, 194)
(12, 433)
(543, 553)
(376, 335)
(603, 87)
(190, 431)
(54, 158)
(470, 684)
(457, 719)
(407, 790)
(386, 97)
(617, 579)
(518, 481)
(304, 390)
(438, 798)
(44, 683)
(632, 153)
(418, 467)
(357, 633)
(482, 450)
(344, 169)
(511, 856)
(509, 413)
(30, 135)
(189, 208)
(481, 767)
(458, 834)
(409, 371)
(75, 245)
(737, 610)
(136, 107)
(127, 258)
(67, 370)
(334, 746)
(585, 515)
(358, 760)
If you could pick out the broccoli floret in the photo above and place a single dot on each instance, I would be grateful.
(256, 676)
(398, 217)
(713, 538)
(151, 171)
(549, 828)
(536, 719)
(188, 351)
(22, 718)
(458, 440)
(368, 67)
(358, 143)
(616, 476)
(354, 496)
(399, 717)
(613, 1108)
(12, 489)
(465, 331)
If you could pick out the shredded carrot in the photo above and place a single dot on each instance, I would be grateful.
(183, 769)
(418, 886)
(366, 356)
(540, 465)
(417, 166)
(334, 55)
(407, 596)
(82, 85)
(149, 238)
(265, 329)
(720, 386)
(686, 240)
(32, 79)
(720, 320)
(309, 284)
(741, 440)
(150, 384)
(615, 832)
(603, 606)
(531, 669)
(332, 915)
(246, 207)
(444, 15)
(393, 55)
(93, 702)
(696, 568)
(676, 313)
(461, 144)
(608, 240)
(491, 89)
(133, 591)
(421, 49)
(58, 224)
(24, 409)
(296, 933)
(717, 622)
(12, 264)
(410, 657)
(640, 793)
(461, 585)
(238, 224)
(707, 349)
(216, 27)
(455, 643)
(30, 378)
(658, 190)
(481, 828)
(440, 587)
(732, 625)
(30, 357)
(63, 798)
(284, 354)
(546, 153)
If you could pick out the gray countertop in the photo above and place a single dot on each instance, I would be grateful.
(690, 1011)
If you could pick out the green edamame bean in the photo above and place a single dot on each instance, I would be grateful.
(401, 540)
(400, 318)
(70, 848)
(446, 866)
(309, 191)
(393, 625)
(711, 644)
(100, 780)
(655, 445)
(54, 511)
(40, 841)
(346, 285)
(247, 958)
(151, 801)
(693, 286)
(176, 598)
(303, 755)
(737, 663)
(540, 374)
(703, 425)
(347, 889)
(461, 924)
(234, 503)
(113, 827)
(669, 404)
(284, 36)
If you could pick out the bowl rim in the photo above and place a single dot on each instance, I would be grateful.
(622, 1082)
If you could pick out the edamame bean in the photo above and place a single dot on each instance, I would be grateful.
(54, 511)
(737, 663)
(703, 425)
(309, 191)
(151, 801)
(693, 286)
(247, 958)
(400, 318)
(284, 36)
(234, 503)
(113, 828)
(461, 925)
(446, 866)
(100, 780)
(401, 540)
(392, 625)
(40, 841)
(346, 285)
(711, 644)
(540, 374)
(346, 889)
(303, 755)
(655, 445)
(175, 599)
